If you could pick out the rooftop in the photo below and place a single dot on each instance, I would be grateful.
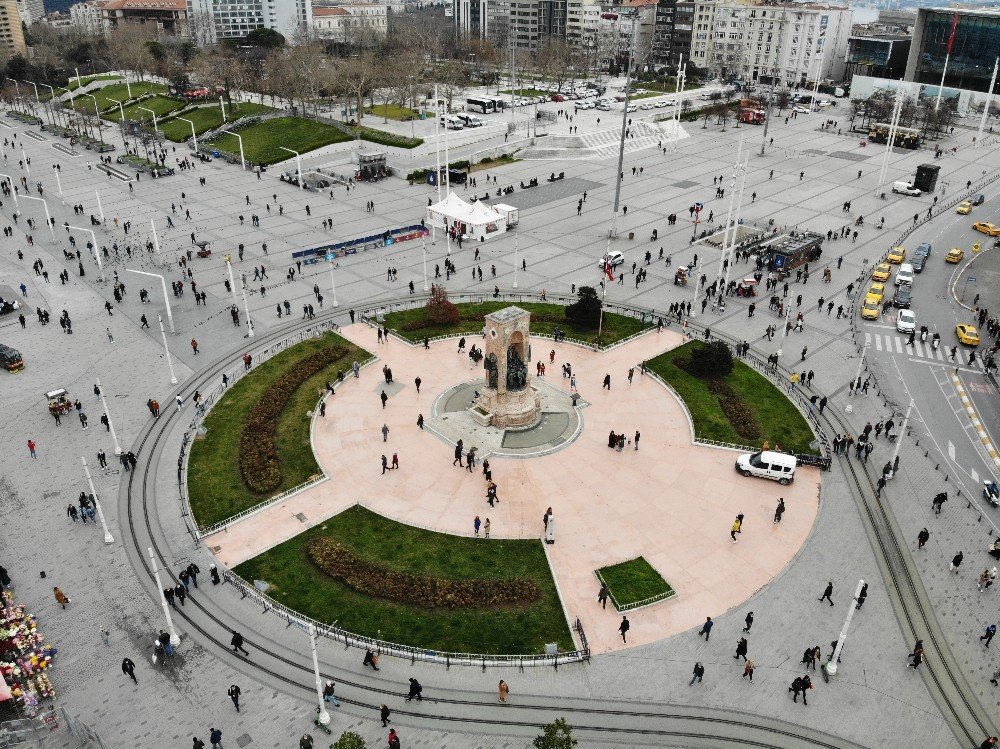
(177, 5)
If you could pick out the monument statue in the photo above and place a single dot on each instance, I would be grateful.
(507, 400)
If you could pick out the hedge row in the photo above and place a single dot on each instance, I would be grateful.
(477, 320)
(415, 590)
(739, 414)
(260, 465)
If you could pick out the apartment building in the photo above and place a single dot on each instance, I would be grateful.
(672, 31)
(751, 42)
(212, 20)
(471, 18)
(88, 17)
(166, 16)
(533, 22)
(30, 11)
(345, 22)
(968, 39)
(11, 34)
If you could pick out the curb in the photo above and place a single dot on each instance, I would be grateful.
(984, 436)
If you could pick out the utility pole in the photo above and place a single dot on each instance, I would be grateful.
(621, 143)
(774, 78)
(831, 666)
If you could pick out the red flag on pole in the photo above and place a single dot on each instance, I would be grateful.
(608, 268)
(951, 36)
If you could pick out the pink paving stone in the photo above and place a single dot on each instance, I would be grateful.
(671, 501)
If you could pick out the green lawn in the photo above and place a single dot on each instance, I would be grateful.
(778, 419)
(392, 112)
(118, 91)
(87, 79)
(207, 118)
(384, 138)
(300, 585)
(261, 141)
(545, 318)
(633, 581)
(162, 105)
(215, 486)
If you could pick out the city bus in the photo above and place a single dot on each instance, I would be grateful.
(481, 105)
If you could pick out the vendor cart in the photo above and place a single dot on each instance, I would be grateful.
(747, 287)
(681, 276)
(59, 402)
(204, 250)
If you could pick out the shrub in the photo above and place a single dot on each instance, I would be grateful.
(260, 464)
(415, 590)
(440, 310)
(711, 360)
(736, 410)
(586, 311)
(349, 740)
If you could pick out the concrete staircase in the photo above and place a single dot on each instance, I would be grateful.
(603, 144)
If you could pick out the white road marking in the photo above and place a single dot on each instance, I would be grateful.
(951, 450)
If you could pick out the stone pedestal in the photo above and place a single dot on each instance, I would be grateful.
(508, 400)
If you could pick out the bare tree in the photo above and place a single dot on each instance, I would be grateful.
(355, 78)
(452, 81)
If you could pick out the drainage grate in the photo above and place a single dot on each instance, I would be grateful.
(300, 517)
(243, 740)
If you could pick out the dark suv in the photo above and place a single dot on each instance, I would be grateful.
(920, 256)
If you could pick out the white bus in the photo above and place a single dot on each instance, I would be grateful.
(483, 106)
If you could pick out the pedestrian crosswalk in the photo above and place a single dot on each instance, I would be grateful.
(897, 344)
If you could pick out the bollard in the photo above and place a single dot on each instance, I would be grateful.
(946, 477)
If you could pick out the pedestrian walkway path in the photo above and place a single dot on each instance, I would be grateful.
(671, 501)
(898, 344)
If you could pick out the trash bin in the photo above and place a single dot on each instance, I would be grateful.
(631, 235)
(575, 397)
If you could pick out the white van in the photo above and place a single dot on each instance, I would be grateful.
(904, 275)
(470, 120)
(768, 465)
(905, 188)
(452, 122)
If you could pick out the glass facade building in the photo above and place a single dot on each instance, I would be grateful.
(974, 49)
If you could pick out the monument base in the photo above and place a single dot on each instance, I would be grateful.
(508, 410)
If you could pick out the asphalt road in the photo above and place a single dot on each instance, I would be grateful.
(942, 297)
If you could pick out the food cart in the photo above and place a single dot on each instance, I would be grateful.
(681, 276)
(747, 287)
(59, 402)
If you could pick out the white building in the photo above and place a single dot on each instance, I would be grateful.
(346, 22)
(88, 16)
(30, 10)
(797, 42)
(212, 20)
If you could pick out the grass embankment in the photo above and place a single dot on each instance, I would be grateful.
(385, 138)
(757, 410)
(393, 112)
(88, 79)
(208, 118)
(215, 485)
(545, 318)
(298, 582)
(262, 141)
(633, 581)
(118, 92)
(162, 105)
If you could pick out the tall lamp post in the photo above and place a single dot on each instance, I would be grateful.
(194, 135)
(174, 639)
(243, 161)
(107, 413)
(232, 283)
(121, 109)
(97, 116)
(156, 127)
(247, 308)
(93, 244)
(108, 538)
(48, 218)
(298, 164)
(13, 190)
(166, 350)
(831, 667)
(166, 298)
(324, 715)
(333, 283)
(899, 440)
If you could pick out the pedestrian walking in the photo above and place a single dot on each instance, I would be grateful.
(234, 695)
(384, 714)
(383, 398)
(624, 627)
(827, 593)
(748, 668)
(742, 647)
(237, 643)
(128, 668)
(749, 622)
(197, 743)
(503, 690)
(956, 562)
(371, 659)
(799, 686)
(988, 634)
(779, 510)
(329, 695)
(737, 527)
(706, 628)
(922, 538)
(698, 673)
(385, 432)
(862, 596)
(60, 597)
(215, 737)
(415, 691)
(393, 739)
(31, 449)
(602, 595)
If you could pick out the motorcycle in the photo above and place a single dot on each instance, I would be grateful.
(923, 333)
(991, 493)
(936, 341)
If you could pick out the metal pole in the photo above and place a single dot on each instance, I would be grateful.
(194, 135)
(899, 439)
(166, 299)
(831, 666)
(298, 163)
(232, 283)
(93, 244)
(437, 141)
(100, 208)
(222, 106)
(243, 161)
(774, 77)
(111, 426)
(174, 639)
(944, 72)
(989, 99)
(108, 538)
(513, 83)
(121, 109)
(156, 241)
(515, 261)
(423, 250)
(247, 308)
(732, 199)
(324, 716)
(861, 364)
(892, 135)
(58, 180)
(728, 254)
(676, 118)
(48, 219)
(333, 284)
(166, 349)
(24, 156)
(13, 189)
(621, 142)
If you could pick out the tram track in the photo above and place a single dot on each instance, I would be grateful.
(628, 722)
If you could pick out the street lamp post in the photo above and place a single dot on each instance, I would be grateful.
(166, 350)
(13, 190)
(831, 666)
(55, 171)
(298, 164)
(515, 261)
(166, 298)
(194, 135)
(324, 715)
(243, 161)
(156, 241)
(93, 244)
(861, 364)
(108, 538)
(232, 283)
(156, 127)
(174, 639)
(100, 208)
(423, 251)
(333, 283)
(121, 109)
(899, 440)
(111, 426)
(247, 308)
(48, 219)
(52, 103)
(222, 106)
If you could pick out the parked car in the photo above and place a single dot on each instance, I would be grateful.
(871, 309)
(647, 106)
(904, 276)
(767, 464)
(876, 292)
(882, 272)
(905, 188)
(801, 110)
(615, 257)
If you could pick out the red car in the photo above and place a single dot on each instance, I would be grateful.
(558, 97)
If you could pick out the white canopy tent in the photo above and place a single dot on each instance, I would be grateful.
(471, 220)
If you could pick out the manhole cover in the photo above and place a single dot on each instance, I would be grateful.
(243, 740)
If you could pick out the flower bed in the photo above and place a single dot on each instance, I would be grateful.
(375, 580)
(634, 583)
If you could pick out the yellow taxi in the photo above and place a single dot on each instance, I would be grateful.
(967, 334)
(876, 292)
(882, 272)
(987, 228)
(964, 207)
(896, 255)
(870, 309)
(954, 255)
